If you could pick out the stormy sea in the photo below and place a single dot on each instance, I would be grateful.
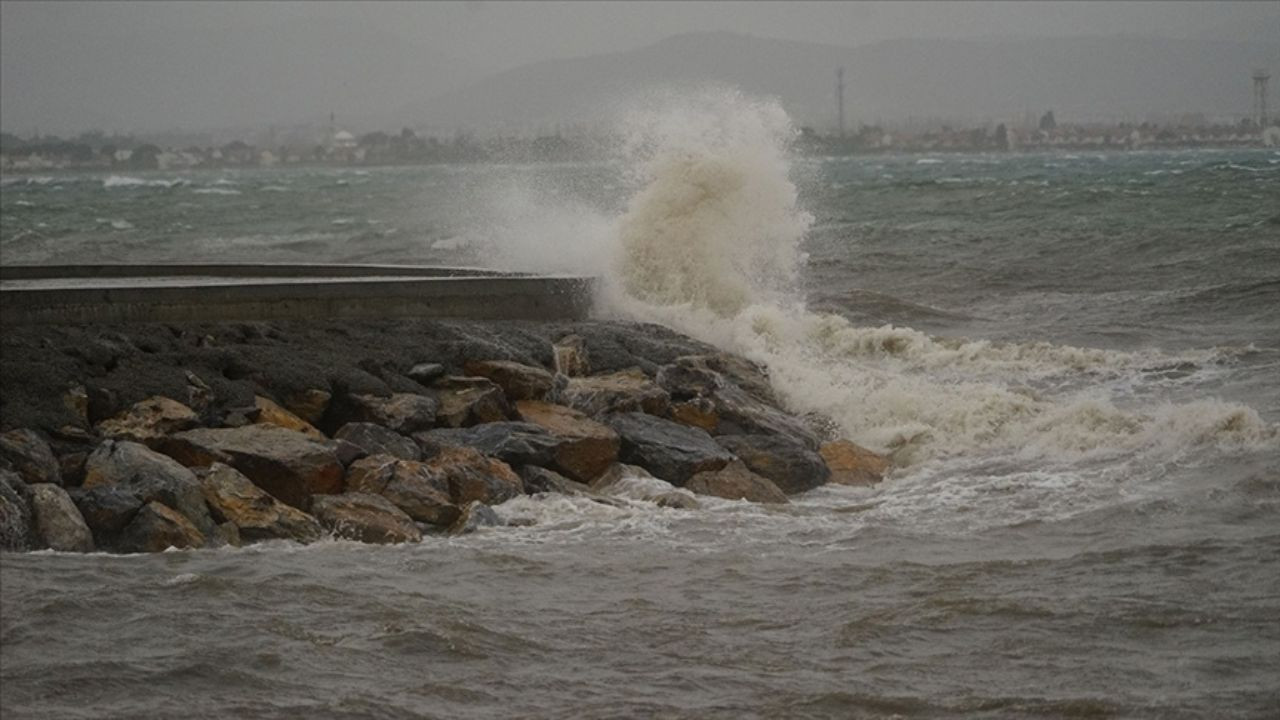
(1072, 359)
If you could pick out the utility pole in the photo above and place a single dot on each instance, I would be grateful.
(1260, 78)
(840, 100)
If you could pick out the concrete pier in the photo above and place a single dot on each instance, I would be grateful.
(31, 294)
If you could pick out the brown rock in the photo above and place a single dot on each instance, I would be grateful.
(853, 464)
(401, 412)
(472, 476)
(587, 447)
(518, 381)
(149, 420)
(697, 412)
(287, 464)
(364, 517)
(622, 391)
(256, 515)
(376, 440)
(158, 527)
(466, 401)
(310, 405)
(791, 466)
(58, 523)
(571, 356)
(30, 456)
(76, 399)
(736, 482)
(269, 413)
(410, 485)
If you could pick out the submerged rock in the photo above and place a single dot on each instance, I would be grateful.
(585, 448)
(618, 392)
(57, 523)
(671, 451)
(676, 500)
(30, 457)
(158, 527)
(364, 517)
(736, 482)
(377, 440)
(468, 401)
(254, 514)
(518, 381)
(852, 464)
(474, 516)
(149, 419)
(412, 486)
(791, 466)
(287, 464)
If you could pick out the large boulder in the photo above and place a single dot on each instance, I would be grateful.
(736, 482)
(287, 464)
(402, 412)
(149, 419)
(473, 476)
(518, 381)
(852, 464)
(468, 401)
(618, 392)
(586, 447)
(515, 443)
(150, 477)
(377, 440)
(270, 413)
(706, 396)
(16, 523)
(364, 517)
(58, 524)
(232, 498)
(106, 509)
(791, 466)
(158, 527)
(29, 456)
(671, 451)
(411, 486)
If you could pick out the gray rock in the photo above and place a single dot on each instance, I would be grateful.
(426, 373)
(15, 513)
(474, 516)
(518, 381)
(515, 443)
(106, 509)
(671, 451)
(791, 466)
(30, 456)
(58, 524)
(618, 392)
(738, 412)
(378, 440)
(150, 477)
(402, 412)
(541, 480)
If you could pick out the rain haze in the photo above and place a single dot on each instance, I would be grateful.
(146, 67)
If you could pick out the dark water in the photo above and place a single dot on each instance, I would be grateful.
(1087, 523)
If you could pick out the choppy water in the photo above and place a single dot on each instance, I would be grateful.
(1074, 357)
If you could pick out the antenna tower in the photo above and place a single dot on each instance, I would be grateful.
(1260, 78)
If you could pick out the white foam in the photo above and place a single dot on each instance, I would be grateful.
(125, 181)
(215, 191)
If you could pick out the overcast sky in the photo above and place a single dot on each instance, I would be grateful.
(152, 65)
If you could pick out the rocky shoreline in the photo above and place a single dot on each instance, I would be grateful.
(138, 438)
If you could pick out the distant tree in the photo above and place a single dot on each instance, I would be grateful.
(1047, 122)
(1002, 137)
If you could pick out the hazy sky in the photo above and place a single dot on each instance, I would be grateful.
(122, 65)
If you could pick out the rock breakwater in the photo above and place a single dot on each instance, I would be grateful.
(144, 437)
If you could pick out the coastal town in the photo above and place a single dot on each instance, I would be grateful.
(332, 145)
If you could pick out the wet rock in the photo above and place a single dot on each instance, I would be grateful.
(671, 451)
(287, 464)
(254, 514)
(377, 440)
(310, 404)
(474, 516)
(270, 413)
(158, 527)
(402, 412)
(411, 486)
(736, 482)
(468, 401)
(620, 392)
(585, 447)
(518, 381)
(57, 523)
(736, 411)
(791, 466)
(426, 373)
(473, 476)
(515, 443)
(364, 517)
(30, 457)
(697, 412)
(150, 477)
(852, 464)
(149, 420)
(571, 356)
(228, 534)
(16, 522)
(676, 500)
(106, 509)
(541, 480)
